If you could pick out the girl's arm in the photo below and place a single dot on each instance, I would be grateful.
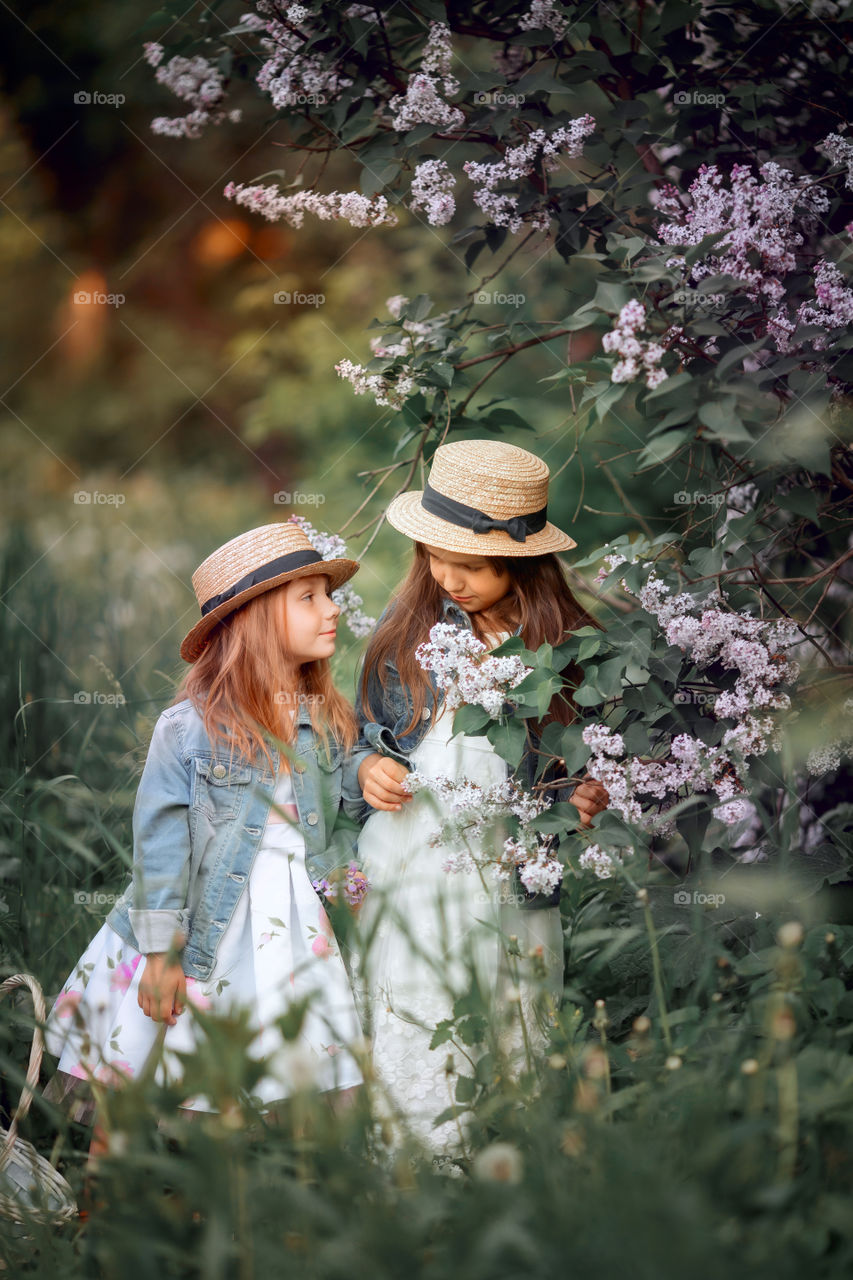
(161, 844)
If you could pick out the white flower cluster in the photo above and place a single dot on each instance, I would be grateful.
(603, 862)
(290, 76)
(470, 814)
(640, 356)
(840, 151)
(709, 636)
(463, 669)
(358, 210)
(391, 390)
(543, 15)
(829, 756)
(518, 163)
(332, 547)
(422, 102)
(834, 309)
(432, 191)
(193, 80)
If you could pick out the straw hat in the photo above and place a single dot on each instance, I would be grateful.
(247, 566)
(485, 497)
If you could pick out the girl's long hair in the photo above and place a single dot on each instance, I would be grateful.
(240, 684)
(539, 598)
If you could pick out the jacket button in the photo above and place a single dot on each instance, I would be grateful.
(427, 713)
(312, 819)
(219, 771)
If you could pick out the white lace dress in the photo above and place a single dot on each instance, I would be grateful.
(430, 925)
(277, 947)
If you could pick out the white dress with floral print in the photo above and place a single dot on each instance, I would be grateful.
(277, 947)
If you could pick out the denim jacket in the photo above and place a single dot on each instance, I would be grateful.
(198, 819)
(386, 736)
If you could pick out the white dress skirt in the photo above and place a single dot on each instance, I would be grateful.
(431, 926)
(278, 947)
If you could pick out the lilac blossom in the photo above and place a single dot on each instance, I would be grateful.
(391, 390)
(422, 103)
(520, 162)
(432, 191)
(465, 673)
(544, 15)
(288, 75)
(351, 206)
(641, 357)
(355, 884)
(333, 547)
(840, 151)
(193, 80)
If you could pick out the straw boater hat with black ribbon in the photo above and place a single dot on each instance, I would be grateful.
(485, 498)
(250, 564)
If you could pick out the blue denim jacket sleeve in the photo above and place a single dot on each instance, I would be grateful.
(161, 843)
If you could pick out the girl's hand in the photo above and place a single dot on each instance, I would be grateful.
(589, 798)
(162, 989)
(379, 778)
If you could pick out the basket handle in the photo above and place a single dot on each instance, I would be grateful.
(36, 1051)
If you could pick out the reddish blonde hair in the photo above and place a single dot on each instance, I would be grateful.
(539, 599)
(240, 684)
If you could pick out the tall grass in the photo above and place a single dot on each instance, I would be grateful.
(691, 1114)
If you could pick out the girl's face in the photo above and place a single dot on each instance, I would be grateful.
(310, 618)
(469, 580)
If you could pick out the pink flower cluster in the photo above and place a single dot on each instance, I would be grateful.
(520, 162)
(763, 219)
(193, 80)
(358, 210)
(333, 547)
(639, 356)
(708, 635)
(290, 76)
(470, 813)
(463, 669)
(432, 191)
(422, 102)
(355, 885)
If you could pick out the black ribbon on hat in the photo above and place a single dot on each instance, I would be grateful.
(284, 564)
(518, 527)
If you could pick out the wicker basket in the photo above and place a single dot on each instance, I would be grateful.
(30, 1187)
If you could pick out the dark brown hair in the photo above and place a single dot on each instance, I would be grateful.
(539, 598)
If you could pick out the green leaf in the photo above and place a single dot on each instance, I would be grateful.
(508, 737)
(470, 719)
(803, 502)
